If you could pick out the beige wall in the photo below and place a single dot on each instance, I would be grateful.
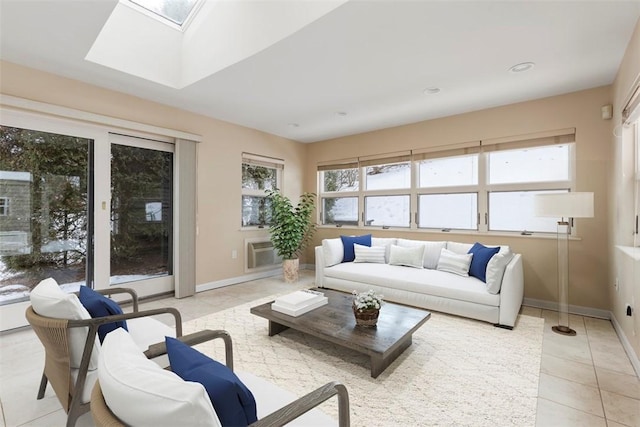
(589, 259)
(622, 184)
(219, 158)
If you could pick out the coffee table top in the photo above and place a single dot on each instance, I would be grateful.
(336, 323)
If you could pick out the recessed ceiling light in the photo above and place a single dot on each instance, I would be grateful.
(522, 67)
(341, 113)
(293, 125)
(431, 90)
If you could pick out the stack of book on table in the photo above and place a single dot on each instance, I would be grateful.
(299, 302)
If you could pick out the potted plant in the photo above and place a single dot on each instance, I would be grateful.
(291, 229)
(366, 307)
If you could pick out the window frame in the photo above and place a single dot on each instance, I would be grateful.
(5, 206)
(483, 188)
(263, 161)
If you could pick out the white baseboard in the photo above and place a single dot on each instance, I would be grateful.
(239, 279)
(633, 357)
(246, 278)
(573, 309)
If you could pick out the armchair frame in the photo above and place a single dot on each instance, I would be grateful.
(54, 336)
(103, 417)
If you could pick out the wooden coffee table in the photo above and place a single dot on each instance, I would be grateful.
(334, 322)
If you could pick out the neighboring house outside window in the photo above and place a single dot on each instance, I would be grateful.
(259, 174)
(4, 206)
(474, 186)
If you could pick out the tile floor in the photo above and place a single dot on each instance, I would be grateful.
(586, 380)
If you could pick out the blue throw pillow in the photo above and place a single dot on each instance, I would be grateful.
(347, 243)
(100, 306)
(232, 400)
(481, 257)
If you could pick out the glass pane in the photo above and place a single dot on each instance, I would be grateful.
(340, 180)
(538, 164)
(256, 211)
(141, 213)
(176, 11)
(387, 211)
(340, 210)
(455, 211)
(388, 177)
(513, 211)
(43, 210)
(259, 177)
(448, 171)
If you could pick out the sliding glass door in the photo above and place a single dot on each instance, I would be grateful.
(82, 206)
(45, 219)
(141, 223)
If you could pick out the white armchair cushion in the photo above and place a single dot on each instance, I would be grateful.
(459, 248)
(47, 299)
(139, 392)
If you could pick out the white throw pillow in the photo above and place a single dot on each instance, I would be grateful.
(496, 267)
(373, 254)
(139, 392)
(333, 251)
(47, 299)
(409, 257)
(459, 248)
(431, 250)
(386, 242)
(452, 262)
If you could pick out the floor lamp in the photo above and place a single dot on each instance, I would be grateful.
(564, 205)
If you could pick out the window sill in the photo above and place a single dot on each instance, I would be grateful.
(533, 235)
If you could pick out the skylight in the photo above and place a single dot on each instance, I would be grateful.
(176, 11)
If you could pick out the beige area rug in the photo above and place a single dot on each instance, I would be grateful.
(457, 372)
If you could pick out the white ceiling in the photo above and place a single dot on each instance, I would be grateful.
(370, 59)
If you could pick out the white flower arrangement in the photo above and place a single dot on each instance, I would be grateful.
(367, 300)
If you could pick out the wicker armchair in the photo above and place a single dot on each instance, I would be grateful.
(69, 383)
(104, 417)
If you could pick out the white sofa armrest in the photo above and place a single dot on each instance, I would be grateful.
(511, 292)
(319, 267)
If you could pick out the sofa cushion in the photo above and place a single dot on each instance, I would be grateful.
(386, 242)
(374, 254)
(423, 281)
(333, 251)
(452, 262)
(99, 305)
(409, 257)
(349, 241)
(496, 267)
(459, 248)
(481, 257)
(47, 299)
(139, 392)
(431, 250)
(233, 402)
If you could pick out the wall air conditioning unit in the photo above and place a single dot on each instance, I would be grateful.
(260, 255)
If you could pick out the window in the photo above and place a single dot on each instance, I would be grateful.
(4, 206)
(259, 174)
(339, 194)
(448, 192)
(175, 11)
(475, 186)
(515, 176)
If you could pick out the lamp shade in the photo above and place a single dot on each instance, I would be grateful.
(568, 205)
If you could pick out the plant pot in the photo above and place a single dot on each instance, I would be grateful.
(367, 318)
(290, 268)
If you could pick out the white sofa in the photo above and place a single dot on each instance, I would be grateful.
(498, 301)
